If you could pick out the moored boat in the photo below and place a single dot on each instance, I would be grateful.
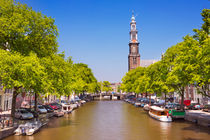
(66, 109)
(21, 130)
(177, 114)
(28, 128)
(137, 104)
(35, 126)
(146, 107)
(160, 114)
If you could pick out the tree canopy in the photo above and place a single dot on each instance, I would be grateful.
(185, 63)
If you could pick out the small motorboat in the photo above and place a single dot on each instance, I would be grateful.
(160, 114)
(83, 101)
(73, 106)
(66, 109)
(35, 126)
(146, 107)
(28, 128)
(21, 130)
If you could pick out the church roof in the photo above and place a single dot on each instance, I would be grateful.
(146, 63)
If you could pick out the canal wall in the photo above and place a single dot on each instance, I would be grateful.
(198, 116)
(7, 132)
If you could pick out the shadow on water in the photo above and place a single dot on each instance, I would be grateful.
(192, 139)
(197, 128)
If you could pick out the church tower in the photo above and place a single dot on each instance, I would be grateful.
(134, 56)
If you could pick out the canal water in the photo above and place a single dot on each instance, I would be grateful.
(115, 120)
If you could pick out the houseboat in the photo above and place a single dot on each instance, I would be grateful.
(159, 114)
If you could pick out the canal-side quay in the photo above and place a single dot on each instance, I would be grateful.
(115, 120)
(198, 116)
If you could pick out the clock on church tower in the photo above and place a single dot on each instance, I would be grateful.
(134, 56)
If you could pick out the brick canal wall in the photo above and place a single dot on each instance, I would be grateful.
(199, 117)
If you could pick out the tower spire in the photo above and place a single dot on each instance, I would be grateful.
(134, 56)
(133, 17)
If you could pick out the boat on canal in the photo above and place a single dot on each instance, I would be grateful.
(35, 126)
(146, 107)
(66, 109)
(28, 128)
(160, 114)
(177, 114)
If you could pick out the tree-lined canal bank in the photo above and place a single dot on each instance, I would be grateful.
(115, 120)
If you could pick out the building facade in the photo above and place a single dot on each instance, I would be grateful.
(115, 87)
(134, 56)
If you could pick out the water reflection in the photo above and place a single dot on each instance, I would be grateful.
(165, 130)
(115, 120)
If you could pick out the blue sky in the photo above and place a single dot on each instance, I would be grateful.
(96, 32)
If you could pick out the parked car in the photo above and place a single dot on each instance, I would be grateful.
(159, 104)
(48, 108)
(206, 108)
(31, 110)
(55, 106)
(173, 106)
(23, 114)
(194, 106)
(41, 109)
(58, 105)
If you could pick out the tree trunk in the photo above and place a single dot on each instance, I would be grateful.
(30, 99)
(149, 99)
(14, 96)
(59, 99)
(182, 98)
(165, 99)
(35, 105)
(48, 98)
(146, 94)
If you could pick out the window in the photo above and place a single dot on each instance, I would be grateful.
(134, 60)
(133, 27)
(133, 37)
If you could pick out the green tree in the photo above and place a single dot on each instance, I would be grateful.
(202, 34)
(129, 80)
(202, 74)
(84, 80)
(119, 89)
(59, 75)
(20, 73)
(24, 30)
(106, 86)
(182, 58)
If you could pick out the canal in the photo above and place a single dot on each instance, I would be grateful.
(115, 120)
